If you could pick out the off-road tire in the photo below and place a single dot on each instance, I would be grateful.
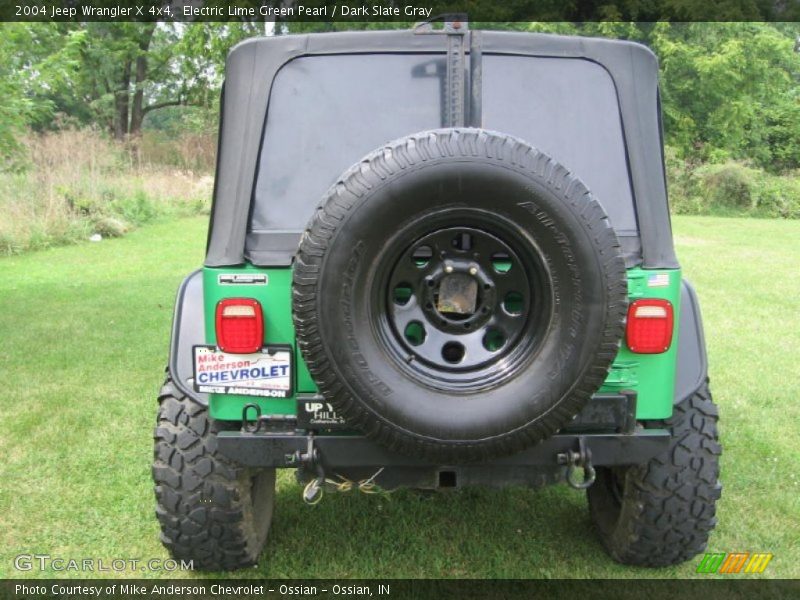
(212, 512)
(667, 506)
(422, 180)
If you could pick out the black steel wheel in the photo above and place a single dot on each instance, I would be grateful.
(459, 295)
(462, 306)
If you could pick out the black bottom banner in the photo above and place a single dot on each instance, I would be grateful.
(434, 589)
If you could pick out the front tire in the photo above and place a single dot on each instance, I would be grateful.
(661, 513)
(212, 512)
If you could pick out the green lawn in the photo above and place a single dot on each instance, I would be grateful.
(85, 332)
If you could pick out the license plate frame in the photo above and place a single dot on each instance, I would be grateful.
(268, 373)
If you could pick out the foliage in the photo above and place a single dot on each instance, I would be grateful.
(113, 74)
(730, 92)
(731, 188)
(34, 59)
(15, 110)
(79, 182)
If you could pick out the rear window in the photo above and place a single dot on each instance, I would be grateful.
(327, 112)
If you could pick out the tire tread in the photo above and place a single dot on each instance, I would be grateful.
(202, 498)
(344, 196)
(669, 503)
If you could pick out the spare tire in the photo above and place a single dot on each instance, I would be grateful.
(458, 295)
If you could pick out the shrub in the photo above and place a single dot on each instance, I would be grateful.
(110, 227)
(136, 208)
(188, 152)
(779, 196)
(78, 182)
(730, 185)
(731, 188)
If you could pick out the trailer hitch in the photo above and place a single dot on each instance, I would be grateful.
(582, 457)
(307, 461)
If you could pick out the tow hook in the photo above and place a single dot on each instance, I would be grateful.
(249, 426)
(310, 460)
(582, 457)
(262, 423)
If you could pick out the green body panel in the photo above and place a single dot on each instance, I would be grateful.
(651, 375)
(276, 300)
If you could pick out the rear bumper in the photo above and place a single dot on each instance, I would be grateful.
(605, 433)
(284, 450)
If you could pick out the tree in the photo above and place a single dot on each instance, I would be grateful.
(128, 70)
(729, 90)
(35, 60)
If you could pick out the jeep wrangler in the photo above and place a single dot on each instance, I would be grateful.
(438, 258)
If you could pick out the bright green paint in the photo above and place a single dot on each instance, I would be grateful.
(651, 375)
(275, 298)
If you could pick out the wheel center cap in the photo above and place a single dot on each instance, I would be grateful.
(453, 303)
(458, 294)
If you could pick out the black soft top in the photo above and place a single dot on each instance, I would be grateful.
(253, 65)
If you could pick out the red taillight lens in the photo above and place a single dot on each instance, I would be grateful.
(240, 325)
(649, 329)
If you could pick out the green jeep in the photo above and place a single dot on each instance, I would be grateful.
(438, 258)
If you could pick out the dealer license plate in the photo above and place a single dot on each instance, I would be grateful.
(267, 373)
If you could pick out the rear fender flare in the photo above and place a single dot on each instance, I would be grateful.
(188, 330)
(692, 367)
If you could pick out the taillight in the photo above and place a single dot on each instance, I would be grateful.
(240, 325)
(649, 329)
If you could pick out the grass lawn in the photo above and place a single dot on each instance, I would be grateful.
(85, 332)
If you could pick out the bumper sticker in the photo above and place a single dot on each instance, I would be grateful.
(658, 280)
